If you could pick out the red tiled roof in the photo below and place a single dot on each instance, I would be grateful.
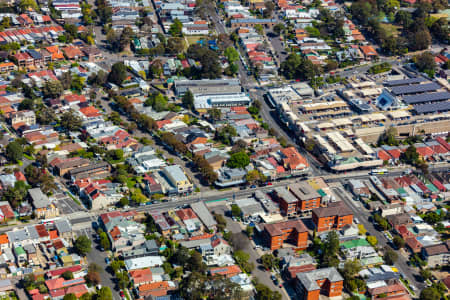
(227, 271)
(383, 155)
(141, 276)
(424, 151)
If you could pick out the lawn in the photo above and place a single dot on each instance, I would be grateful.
(192, 39)
(391, 29)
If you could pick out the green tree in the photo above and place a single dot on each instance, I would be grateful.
(52, 89)
(176, 28)
(390, 256)
(235, 210)
(70, 121)
(278, 29)
(26, 4)
(263, 292)
(231, 54)
(118, 73)
(410, 156)
(14, 151)
(426, 274)
(425, 62)
(70, 297)
(432, 218)
(175, 45)
(67, 275)
(249, 230)
(215, 114)
(238, 160)
(104, 294)
(399, 242)
(225, 134)
(430, 293)
(104, 241)
(372, 240)
(188, 100)
(269, 261)
(82, 245)
(351, 269)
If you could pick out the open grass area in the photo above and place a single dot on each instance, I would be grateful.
(391, 29)
(192, 39)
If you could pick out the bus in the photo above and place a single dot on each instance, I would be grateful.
(378, 172)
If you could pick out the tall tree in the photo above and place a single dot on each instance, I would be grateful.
(118, 73)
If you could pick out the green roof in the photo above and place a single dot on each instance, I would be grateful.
(432, 188)
(355, 243)
(401, 191)
(371, 261)
(19, 250)
(321, 192)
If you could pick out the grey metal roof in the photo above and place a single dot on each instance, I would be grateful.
(203, 213)
(63, 226)
(309, 279)
(404, 81)
(432, 107)
(417, 88)
(40, 200)
(439, 96)
(176, 173)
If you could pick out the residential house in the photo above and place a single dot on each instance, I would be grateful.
(437, 255)
(96, 170)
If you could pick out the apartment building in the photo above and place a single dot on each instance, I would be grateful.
(290, 231)
(335, 216)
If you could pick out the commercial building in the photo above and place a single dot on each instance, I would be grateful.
(202, 102)
(178, 178)
(207, 86)
(335, 216)
(293, 231)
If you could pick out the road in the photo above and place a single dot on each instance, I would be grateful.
(247, 246)
(363, 217)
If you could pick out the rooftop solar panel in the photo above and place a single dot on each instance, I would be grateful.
(416, 88)
(404, 81)
(429, 97)
(433, 107)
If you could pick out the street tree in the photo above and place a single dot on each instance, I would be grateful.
(399, 242)
(82, 245)
(390, 256)
(104, 294)
(372, 240)
(235, 211)
(430, 293)
(231, 54)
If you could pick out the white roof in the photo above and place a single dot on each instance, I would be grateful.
(144, 262)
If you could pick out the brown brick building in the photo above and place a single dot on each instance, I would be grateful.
(293, 231)
(327, 281)
(335, 216)
(308, 197)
